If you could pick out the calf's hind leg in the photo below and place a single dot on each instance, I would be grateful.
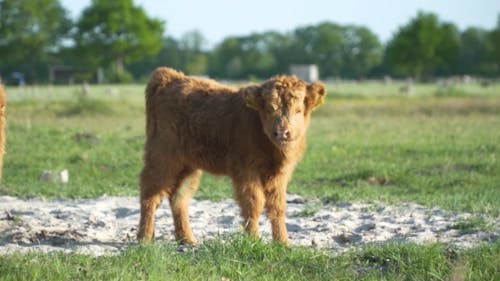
(157, 180)
(187, 182)
(250, 197)
(152, 191)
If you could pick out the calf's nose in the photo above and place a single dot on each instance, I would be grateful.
(283, 134)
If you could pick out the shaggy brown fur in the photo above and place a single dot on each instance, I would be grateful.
(3, 103)
(255, 135)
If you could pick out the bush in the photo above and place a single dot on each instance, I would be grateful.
(120, 76)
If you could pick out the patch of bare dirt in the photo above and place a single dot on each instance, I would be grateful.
(106, 225)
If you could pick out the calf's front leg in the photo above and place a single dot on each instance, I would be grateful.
(275, 209)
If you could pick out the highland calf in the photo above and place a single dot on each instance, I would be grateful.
(255, 135)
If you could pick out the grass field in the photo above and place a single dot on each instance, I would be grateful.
(440, 146)
(240, 258)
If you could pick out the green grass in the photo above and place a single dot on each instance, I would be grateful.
(434, 151)
(377, 89)
(240, 258)
(437, 151)
(368, 142)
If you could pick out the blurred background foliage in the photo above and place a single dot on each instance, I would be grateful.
(116, 41)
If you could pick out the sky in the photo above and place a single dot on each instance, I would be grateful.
(217, 19)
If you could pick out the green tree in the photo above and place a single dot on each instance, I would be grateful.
(476, 53)
(194, 60)
(362, 51)
(30, 31)
(186, 54)
(257, 55)
(278, 45)
(318, 44)
(494, 41)
(423, 47)
(249, 56)
(226, 59)
(349, 51)
(170, 54)
(115, 32)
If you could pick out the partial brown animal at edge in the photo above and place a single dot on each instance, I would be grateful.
(3, 103)
(254, 134)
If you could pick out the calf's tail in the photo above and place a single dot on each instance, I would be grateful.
(159, 79)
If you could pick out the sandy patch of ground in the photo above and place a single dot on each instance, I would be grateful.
(106, 225)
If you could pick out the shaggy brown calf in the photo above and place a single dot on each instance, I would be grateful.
(3, 103)
(255, 135)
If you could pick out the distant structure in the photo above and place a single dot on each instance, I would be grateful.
(306, 72)
(68, 74)
(61, 74)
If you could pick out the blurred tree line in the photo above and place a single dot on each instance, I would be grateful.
(115, 41)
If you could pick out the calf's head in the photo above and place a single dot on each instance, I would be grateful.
(284, 104)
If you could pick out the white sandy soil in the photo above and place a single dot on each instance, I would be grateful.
(107, 225)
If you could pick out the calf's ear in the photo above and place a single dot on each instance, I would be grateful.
(251, 95)
(315, 93)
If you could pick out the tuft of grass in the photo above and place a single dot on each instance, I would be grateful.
(330, 198)
(450, 91)
(471, 225)
(309, 209)
(85, 106)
